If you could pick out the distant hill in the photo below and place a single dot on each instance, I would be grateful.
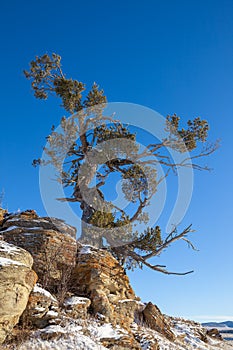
(218, 324)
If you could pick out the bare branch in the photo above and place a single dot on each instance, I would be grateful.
(172, 238)
(139, 210)
(159, 268)
(69, 199)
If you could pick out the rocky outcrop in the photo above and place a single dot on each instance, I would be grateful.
(50, 241)
(99, 277)
(42, 309)
(17, 279)
(93, 293)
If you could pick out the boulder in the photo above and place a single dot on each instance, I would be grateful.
(155, 320)
(214, 333)
(17, 279)
(42, 309)
(50, 241)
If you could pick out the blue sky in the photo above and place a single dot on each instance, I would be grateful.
(171, 56)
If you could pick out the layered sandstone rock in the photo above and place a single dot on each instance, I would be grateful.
(17, 279)
(50, 241)
(98, 276)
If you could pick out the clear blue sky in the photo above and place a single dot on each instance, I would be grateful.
(171, 56)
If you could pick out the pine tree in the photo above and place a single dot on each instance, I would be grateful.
(102, 225)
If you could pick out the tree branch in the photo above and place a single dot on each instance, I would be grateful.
(169, 240)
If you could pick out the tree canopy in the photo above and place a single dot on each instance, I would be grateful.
(93, 146)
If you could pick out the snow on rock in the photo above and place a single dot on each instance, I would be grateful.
(74, 300)
(11, 254)
(40, 290)
(5, 262)
(9, 248)
(86, 249)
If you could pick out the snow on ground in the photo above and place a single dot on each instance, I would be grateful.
(87, 335)
(105, 331)
(187, 333)
(70, 337)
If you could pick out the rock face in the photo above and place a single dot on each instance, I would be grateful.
(99, 277)
(50, 241)
(17, 279)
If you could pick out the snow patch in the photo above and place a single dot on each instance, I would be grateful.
(53, 329)
(105, 331)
